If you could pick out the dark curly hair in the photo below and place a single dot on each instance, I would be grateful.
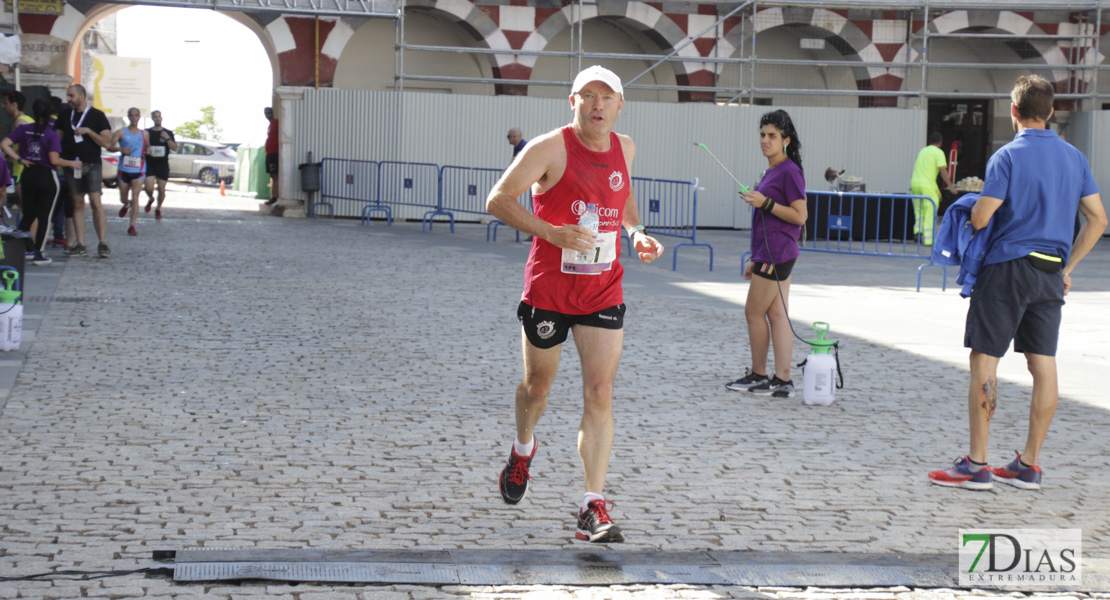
(781, 119)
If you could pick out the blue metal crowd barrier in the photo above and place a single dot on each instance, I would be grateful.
(865, 224)
(410, 184)
(465, 189)
(882, 224)
(350, 188)
(362, 187)
(669, 208)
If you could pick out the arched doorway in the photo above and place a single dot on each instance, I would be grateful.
(367, 60)
(198, 58)
(610, 35)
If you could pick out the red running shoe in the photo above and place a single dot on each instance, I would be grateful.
(960, 475)
(123, 210)
(131, 231)
(1019, 475)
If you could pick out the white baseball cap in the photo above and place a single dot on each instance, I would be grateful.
(596, 73)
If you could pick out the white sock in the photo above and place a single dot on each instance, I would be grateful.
(524, 449)
(588, 498)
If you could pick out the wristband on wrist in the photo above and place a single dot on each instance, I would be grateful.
(632, 230)
(768, 205)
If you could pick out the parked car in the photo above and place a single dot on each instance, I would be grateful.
(109, 167)
(202, 160)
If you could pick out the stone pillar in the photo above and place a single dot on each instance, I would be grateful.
(290, 202)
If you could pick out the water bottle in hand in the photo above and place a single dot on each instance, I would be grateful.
(589, 220)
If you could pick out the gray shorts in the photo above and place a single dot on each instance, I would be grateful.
(90, 182)
(1015, 301)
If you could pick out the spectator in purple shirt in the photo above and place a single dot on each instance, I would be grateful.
(39, 150)
(780, 198)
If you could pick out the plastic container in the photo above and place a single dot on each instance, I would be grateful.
(819, 381)
(11, 311)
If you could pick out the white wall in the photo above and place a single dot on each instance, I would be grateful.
(1090, 133)
(878, 145)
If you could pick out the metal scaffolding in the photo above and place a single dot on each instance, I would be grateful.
(1081, 40)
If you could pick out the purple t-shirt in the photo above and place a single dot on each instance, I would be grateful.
(784, 184)
(34, 146)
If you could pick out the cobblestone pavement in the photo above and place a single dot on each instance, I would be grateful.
(248, 381)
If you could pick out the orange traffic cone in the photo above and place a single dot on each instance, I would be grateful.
(223, 188)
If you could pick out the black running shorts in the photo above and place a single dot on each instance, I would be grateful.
(547, 328)
(272, 163)
(1015, 301)
(158, 170)
(773, 272)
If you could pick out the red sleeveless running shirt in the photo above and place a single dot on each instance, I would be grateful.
(567, 281)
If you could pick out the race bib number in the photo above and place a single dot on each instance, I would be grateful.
(133, 162)
(597, 261)
(157, 151)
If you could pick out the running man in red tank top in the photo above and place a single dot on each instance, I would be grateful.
(572, 282)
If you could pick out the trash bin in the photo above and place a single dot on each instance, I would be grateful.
(15, 250)
(310, 177)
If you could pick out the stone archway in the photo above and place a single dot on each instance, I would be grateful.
(852, 42)
(668, 31)
(1050, 58)
(287, 40)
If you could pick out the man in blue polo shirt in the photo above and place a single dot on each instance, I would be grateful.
(1033, 188)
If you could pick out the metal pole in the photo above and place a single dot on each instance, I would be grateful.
(751, 77)
(399, 109)
(924, 53)
(19, 33)
(570, 51)
(1094, 110)
(581, 18)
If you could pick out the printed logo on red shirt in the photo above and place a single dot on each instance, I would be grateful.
(616, 181)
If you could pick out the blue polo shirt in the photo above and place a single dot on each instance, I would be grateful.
(1040, 179)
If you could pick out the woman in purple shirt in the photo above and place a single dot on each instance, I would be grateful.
(39, 149)
(780, 199)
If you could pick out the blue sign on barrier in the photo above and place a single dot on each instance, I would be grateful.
(653, 206)
(348, 187)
